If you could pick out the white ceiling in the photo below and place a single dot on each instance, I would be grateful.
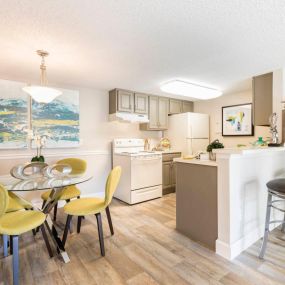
(139, 44)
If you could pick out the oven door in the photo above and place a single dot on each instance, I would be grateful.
(146, 171)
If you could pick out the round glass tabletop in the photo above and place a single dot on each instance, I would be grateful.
(41, 183)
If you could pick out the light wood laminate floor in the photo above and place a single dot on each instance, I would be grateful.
(146, 249)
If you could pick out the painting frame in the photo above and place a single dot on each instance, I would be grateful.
(237, 109)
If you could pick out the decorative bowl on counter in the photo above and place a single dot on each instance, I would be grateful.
(165, 143)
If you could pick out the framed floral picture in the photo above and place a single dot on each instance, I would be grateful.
(237, 120)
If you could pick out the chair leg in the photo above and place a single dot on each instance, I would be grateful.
(79, 224)
(11, 244)
(109, 220)
(46, 240)
(70, 225)
(15, 260)
(100, 233)
(78, 197)
(38, 228)
(44, 203)
(283, 225)
(67, 225)
(5, 245)
(55, 212)
(266, 231)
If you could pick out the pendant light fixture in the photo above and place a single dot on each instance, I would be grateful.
(42, 93)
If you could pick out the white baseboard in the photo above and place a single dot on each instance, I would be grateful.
(230, 251)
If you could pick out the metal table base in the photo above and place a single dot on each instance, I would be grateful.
(51, 202)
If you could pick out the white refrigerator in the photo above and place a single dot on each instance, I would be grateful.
(188, 132)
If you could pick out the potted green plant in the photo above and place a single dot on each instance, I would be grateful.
(214, 145)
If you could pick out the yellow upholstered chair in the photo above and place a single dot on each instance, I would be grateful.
(78, 168)
(16, 223)
(94, 206)
(16, 203)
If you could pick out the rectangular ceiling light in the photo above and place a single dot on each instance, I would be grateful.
(192, 90)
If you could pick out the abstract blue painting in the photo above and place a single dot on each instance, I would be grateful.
(58, 120)
(13, 115)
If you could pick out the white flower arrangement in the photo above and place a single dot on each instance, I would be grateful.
(40, 141)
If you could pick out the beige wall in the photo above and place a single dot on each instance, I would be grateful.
(96, 133)
(214, 109)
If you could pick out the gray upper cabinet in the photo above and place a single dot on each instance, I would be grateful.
(153, 113)
(175, 106)
(125, 101)
(157, 108)
(163, 104)
(141, 103)
(121, 101)
(158, 114)
(187, 106)
(262, 99)
(178, 106)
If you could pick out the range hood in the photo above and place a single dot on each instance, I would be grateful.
(129, 117)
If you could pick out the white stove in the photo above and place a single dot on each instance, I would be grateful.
(141, 171)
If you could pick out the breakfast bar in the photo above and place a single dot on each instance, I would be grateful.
(241, 193)
(196, 200)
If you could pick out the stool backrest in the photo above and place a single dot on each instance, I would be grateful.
(78, 165)
(4, 200)
(112, 183)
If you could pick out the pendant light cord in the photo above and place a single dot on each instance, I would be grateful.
(43, 68)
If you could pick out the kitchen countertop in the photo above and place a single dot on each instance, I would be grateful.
(170, 151)
(248, 150)
(197, 161)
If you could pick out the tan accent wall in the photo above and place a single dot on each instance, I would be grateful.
(214, 109)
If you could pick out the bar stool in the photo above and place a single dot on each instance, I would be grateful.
(276, 188)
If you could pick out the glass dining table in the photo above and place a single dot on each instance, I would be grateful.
(56, 185)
